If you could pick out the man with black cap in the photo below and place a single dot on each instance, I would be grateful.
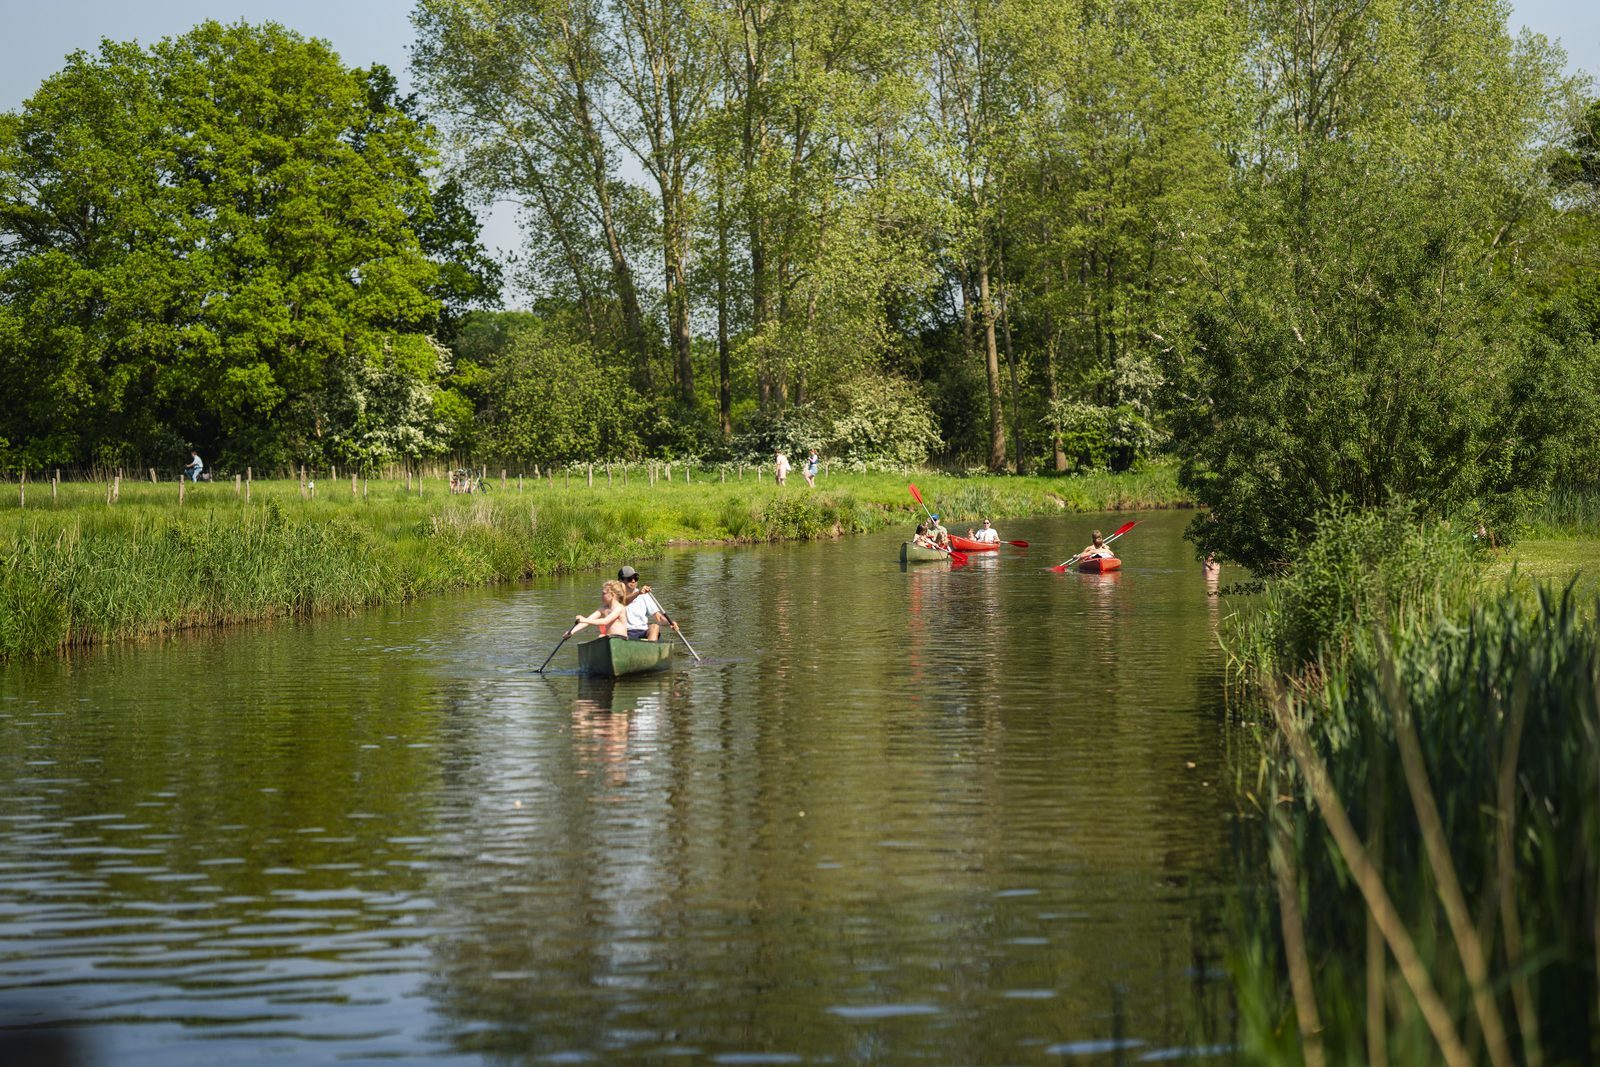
(644, 613)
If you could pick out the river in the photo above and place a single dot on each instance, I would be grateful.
(925, 815)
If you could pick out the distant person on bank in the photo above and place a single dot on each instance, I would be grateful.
(195, 466)
(781, 468)
(810, 469)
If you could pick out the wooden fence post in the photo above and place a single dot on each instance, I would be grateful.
(608, 474)
(116, 488)
(237, 479)
(249, 473)
(591, 474)
(353, 484)
(502, 479)
(152, 476)
(333, 472)
(669, 471)
(181, 481)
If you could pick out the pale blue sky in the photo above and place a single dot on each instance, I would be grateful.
(39, 35)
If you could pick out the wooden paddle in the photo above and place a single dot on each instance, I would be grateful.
(553, 652)
(1118, 532)
(679, 632)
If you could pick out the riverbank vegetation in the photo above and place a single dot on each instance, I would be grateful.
(1429, 792)
(75, 569)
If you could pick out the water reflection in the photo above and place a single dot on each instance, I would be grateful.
(932, 815)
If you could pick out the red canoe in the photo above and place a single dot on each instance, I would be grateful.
(967, 544)
(1100, 565)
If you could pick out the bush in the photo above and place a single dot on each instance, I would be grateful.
(882, 422)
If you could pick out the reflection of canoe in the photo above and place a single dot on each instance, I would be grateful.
(1100, 565)
(967, 544)
(612, 657)
(910, 553)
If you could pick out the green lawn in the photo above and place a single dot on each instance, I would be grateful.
(1553, 561)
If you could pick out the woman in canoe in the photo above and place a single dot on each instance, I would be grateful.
(921, 538)
(611, 619)
(1097, 548)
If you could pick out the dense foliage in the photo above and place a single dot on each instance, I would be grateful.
(1428, 795)
(1321, 254)
(216, 241)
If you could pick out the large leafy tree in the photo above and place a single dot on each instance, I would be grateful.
(213, 240)
(1364, 336)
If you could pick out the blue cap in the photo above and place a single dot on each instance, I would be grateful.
(935, 518)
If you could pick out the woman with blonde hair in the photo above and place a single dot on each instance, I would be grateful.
(611, 618)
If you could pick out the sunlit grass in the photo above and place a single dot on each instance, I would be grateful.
(76, 568)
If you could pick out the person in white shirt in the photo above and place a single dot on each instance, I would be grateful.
(644, 612)
(986, 533)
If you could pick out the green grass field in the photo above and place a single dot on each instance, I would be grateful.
(75, 569)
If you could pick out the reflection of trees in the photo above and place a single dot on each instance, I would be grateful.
(234, 817)
(894, 789)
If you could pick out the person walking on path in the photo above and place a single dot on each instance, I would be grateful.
(810, 469)
(195, 466)
(781, 468)
(644, 611)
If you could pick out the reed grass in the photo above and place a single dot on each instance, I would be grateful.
(1428, 803)
(75, 569)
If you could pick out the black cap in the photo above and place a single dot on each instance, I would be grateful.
(625, 573)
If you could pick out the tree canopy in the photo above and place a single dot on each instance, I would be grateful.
(216, 240)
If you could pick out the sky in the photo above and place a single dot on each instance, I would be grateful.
(40, 35)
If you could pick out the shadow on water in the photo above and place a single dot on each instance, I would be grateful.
(929, 815)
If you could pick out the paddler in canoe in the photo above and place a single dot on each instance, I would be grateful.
(940, 536)
(921, 538)
(643, 612)
(611, 618)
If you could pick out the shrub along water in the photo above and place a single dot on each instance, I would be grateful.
(78, 570)
(1430, 793)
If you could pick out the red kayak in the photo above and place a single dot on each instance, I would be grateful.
(967, 544)
(1100, 565)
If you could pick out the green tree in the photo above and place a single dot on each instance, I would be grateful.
(1364, 336)
(212, 240)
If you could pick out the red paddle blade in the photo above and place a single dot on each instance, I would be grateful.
(958, 558)
(1018, 544)
(1124, 528)
(914, 494)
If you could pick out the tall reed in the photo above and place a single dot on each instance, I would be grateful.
(1429, 800)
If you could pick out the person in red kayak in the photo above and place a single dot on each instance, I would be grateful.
(987, 534)
(1097, 549)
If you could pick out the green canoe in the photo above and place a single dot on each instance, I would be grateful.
(612, 657)
(910, 553)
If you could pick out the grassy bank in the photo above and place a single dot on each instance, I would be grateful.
(75, 569)
(1427, 807)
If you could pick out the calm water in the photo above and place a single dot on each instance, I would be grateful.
(923, 816)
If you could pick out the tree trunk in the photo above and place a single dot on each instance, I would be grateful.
(724, 357)
(991, 369)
